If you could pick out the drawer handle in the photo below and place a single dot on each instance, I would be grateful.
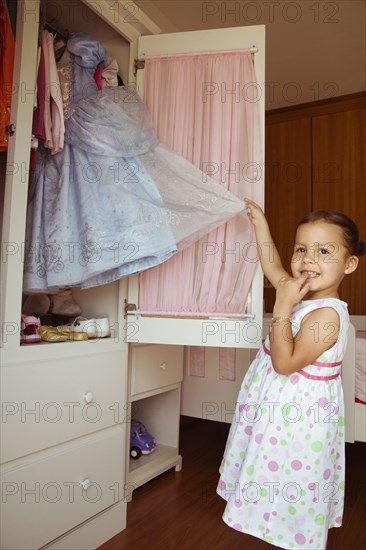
(88, 396)
(86, 484)
(163, 366)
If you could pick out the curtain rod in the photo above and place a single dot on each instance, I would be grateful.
(252, 49)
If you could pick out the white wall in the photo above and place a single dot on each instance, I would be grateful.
(316, 49)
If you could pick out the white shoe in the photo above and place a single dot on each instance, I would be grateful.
(94, 328)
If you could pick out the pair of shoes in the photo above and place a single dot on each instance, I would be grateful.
(29, 332)
(59, 334)
(61, 303)
(92, 328)
(36, 304)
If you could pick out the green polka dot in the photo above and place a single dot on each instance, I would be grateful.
(303, 492)
(301, 419)
(316, 446)
(311, 510)
(341, 485)
(333, 459)
(286, 423)
(341, 421)
(329, 435)
(250, 470)
(283, 442)
(255, 378)
(264, 492)
(288, 471)
(317, 461)
(308, 436)
(261, 527)
(319, 519)
(291, 545)
(268, 539)
(292, 510)
(280, 537)
(242, 454)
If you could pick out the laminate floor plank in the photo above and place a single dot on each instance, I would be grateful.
(181, 510)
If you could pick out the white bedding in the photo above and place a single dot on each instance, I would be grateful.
(360, 356)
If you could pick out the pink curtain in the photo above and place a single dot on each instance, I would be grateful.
(205, 108)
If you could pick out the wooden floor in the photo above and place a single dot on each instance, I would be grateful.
(181, 511)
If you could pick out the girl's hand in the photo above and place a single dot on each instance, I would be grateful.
(255, 213)
(290, 291)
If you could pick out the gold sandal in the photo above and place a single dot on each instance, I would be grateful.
(56, 334)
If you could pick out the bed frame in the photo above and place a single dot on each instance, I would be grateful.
(355, 413)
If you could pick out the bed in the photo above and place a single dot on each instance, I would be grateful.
(354, 380)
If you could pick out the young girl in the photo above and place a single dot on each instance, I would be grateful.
(283, 468)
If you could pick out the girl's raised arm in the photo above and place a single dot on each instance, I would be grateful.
(269, 257)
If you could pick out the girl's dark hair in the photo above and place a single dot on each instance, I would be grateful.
(350, 230)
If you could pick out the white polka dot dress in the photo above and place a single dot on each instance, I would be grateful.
(283, 469)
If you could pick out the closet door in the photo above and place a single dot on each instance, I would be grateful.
(17, 171)
(219, 332)
(339, 168)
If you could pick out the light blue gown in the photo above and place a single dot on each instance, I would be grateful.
(114, 202)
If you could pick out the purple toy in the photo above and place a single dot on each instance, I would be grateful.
(141, 442)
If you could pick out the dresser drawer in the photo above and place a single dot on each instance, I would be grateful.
(155, 366)
(52, 401)
(46, 497)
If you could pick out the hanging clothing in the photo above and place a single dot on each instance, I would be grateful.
(7, 50)
(283, 469)
(53, 112)
(114, 201)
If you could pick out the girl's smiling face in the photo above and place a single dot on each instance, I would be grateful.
(320, 254)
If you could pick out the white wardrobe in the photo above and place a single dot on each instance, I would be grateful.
(65, 469)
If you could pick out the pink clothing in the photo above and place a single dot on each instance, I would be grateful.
(53, 112)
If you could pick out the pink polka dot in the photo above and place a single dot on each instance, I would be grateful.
(311, 486)
(222, 485)
(265, 457)
(294, 379)
(267, 530)
(338, 455)
(296, 465)
(323, 402)
(308, 467)
(248, 430)
(273, 440)
(238, 503)
(266, 516)
(273, 466)
(274, 513)
(308, 412)
(237, 527)
(326, 474)
(258, 438)
(339, 519)
(300, 539)
(278, 428)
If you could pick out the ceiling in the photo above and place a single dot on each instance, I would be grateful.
(315, 49)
